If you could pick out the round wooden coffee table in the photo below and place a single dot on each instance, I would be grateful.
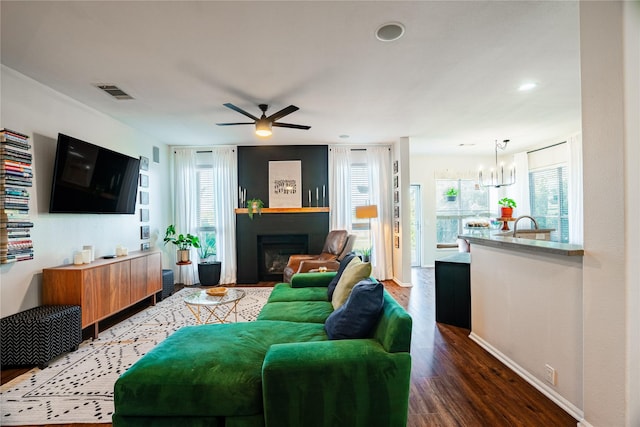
(214, 309)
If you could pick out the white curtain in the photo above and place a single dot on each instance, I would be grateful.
(520, 190)
(379, 162)
(576, 214)
(340, 188)
(185, 197)
(225, 179)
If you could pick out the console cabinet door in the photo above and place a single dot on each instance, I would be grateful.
(154, 273)
(138, 279)
(107, 288)
(146, 276)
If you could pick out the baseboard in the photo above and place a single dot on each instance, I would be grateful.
(402, 284)
(569, 407)
(583, 423)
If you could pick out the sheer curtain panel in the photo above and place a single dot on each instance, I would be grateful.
(185, 197)
(340, 188)
(379, 162)
(225, 179)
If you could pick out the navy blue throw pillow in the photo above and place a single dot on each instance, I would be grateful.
(334, 282)
(357, 317)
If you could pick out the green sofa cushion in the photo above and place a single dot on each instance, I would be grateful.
(297, 311)
(393, 330)
(305, 280)
(206, 370)
(283, 292)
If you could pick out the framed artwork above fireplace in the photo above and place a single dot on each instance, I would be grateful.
(285, 184)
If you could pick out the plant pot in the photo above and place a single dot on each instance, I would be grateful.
(183, 255)
(209, 273)
(506, 212)
(451, 198)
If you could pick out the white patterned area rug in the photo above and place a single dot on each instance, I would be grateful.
(77, 387)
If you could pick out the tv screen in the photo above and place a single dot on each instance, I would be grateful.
(92, 179)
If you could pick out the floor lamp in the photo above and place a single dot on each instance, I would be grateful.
(368, 211)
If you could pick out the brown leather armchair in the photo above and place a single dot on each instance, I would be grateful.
(336, 246)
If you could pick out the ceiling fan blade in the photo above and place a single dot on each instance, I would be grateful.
(280, 114)
(289, 125)
(240, 110)
(233, 124)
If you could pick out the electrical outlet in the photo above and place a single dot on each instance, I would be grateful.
(550, 374)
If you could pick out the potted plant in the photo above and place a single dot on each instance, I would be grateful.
(254, 206)
(208, 269)
(506, 207)
(451, 194)
(365, 254)
(184, 242)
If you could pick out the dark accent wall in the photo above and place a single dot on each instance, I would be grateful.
(253, 169)
(253, 174)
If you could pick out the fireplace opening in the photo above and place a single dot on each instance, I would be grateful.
(274, 251)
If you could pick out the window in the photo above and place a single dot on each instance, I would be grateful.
(548, 199)
(470, 201)
(206, 212)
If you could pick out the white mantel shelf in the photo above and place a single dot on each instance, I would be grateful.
(286, 210)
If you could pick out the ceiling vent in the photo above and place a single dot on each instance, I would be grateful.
(114, 91)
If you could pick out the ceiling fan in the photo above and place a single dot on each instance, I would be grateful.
(264, 123)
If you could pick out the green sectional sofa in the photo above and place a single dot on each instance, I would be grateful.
(281, 370)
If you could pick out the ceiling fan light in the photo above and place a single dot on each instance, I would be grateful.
(263, 128)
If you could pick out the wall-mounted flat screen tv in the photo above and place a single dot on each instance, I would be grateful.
(91, 179)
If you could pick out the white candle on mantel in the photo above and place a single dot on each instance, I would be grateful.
(317, 194)
(323, 191)
(309, 197)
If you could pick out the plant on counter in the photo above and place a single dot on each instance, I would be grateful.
(506, 207)
(507, 202)
(254, 206)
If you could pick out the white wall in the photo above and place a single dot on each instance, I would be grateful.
(528, 308)
(40, 112)
(610, 72)
(402, 255)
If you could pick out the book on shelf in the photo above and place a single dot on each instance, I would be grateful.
(6, 131)
(16, 155)
(12, 191)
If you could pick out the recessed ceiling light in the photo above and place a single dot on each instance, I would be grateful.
(527, 86)
(343, 136)
(466, 145)
(390, 31)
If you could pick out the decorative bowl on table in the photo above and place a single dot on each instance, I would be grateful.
(217, 292)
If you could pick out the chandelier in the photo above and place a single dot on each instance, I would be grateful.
(497, 177)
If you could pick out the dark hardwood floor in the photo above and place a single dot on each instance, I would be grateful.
(454, 382)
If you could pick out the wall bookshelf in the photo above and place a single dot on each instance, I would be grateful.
(16, 177)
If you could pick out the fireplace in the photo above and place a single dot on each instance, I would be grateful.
(274, 251)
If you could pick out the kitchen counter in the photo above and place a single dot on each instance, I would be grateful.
(494, 239)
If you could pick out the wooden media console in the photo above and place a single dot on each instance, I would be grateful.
(105, 286)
